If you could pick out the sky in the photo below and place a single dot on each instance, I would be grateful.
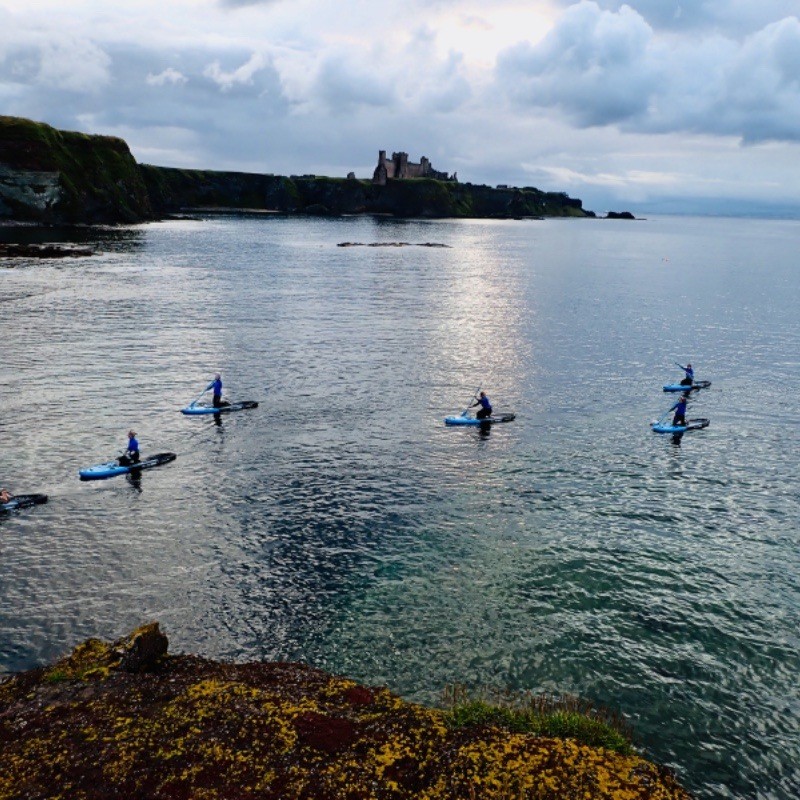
(651, 105)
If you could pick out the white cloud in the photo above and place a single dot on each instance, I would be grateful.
(242, 75)
(168, 76)
(611, 68)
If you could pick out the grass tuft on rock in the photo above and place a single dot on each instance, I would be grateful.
(555, 716)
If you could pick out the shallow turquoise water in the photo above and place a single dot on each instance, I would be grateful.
(342, 524)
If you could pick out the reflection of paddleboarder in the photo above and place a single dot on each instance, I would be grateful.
(486, 406)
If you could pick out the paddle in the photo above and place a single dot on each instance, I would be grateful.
(680, 366)
(197, 399)
(464, 412)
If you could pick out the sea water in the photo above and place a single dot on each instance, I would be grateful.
(342, 524)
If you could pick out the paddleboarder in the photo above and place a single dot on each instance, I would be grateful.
(689, 379)
(486, 406)
(5, 497)
(216, 386)
(680, 411)
(131, 455)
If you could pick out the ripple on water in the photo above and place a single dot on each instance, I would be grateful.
(343, 524)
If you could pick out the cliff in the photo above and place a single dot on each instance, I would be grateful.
(128, 720)
(174, 190)
(55, 176)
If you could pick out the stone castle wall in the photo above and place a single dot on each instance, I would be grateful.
(400, 168)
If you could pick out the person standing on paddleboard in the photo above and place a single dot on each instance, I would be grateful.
(216, 385)
(131, 455)
(680, 411)
(689, 379)
(486, 406)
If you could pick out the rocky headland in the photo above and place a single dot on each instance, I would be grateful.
(59, 177)
(53, 176)
(128, 720)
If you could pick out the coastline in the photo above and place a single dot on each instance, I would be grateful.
(62, 177)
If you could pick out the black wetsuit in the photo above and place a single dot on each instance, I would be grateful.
(131, 454)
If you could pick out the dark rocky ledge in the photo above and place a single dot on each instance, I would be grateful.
(127, 720)
(44, 251)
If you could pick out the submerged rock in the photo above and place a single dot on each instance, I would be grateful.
(187, 727)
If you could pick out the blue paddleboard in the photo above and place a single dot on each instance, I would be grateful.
(194, 410)
(23, 501)
(668, 427)
(463, 419)
(113, 468)
(681, 387)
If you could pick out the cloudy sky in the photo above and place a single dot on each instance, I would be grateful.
(650, 105)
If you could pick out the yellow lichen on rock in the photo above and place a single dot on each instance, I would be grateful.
(192, 728)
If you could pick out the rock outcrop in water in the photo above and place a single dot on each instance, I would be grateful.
(55, 176)
(126, 720)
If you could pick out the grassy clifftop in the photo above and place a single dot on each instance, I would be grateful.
(47, 175)
(127, 720)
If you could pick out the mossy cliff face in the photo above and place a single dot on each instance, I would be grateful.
(126, 720)
(55, 176)
(174, 190)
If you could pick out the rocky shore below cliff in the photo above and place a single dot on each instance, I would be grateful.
(128, 720)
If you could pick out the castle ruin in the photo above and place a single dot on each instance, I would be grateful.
(400, 168)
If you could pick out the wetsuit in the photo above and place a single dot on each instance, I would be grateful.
(689, 379)
(486, 407)
(216, 385)
(680, 412)
(131, 454)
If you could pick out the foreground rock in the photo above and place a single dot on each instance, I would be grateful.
(128, 721)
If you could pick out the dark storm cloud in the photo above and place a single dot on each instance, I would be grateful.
(609, 68)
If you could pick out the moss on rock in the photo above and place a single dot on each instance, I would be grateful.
(96, 177)
(192, 728)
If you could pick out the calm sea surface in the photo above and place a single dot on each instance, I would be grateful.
(342, 524)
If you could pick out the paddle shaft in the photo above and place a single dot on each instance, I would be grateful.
(197, 399)
(464, 412)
